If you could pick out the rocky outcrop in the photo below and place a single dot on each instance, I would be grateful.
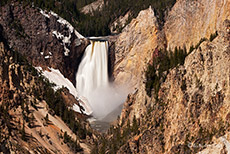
(134, 47)
(27, 123)
(192, 110)
(186, 24)
(220, 145)
(119, 23)
(95, 6)
(189, 21)
(70, 100)
(45, 39)
(133, 50)
(196, 96)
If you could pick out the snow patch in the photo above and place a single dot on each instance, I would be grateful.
(62, 21)
(44, 13)
(55, 76)
(76, 108)
(68, 25)
(54, 14)
(47, 57)
(65, 41)
(66, 53)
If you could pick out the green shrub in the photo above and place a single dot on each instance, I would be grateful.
(156, 71)
(201, 41)
(213, 36)
(74, 145)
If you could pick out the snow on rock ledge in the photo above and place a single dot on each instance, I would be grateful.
(64, 22)
(65, 39)
(55, 76)
(44, 13)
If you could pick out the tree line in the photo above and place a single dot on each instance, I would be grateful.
(98, 23)
(159, 67)
(117, 136)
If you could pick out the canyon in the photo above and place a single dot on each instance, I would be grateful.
(188, 114)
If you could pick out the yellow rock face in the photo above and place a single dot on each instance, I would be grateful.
(134, 49)
(189, 21)
(186, 24)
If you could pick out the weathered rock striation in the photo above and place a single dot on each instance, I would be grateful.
(193, 106)
(133, 50)
(90, 8)
(189, 21)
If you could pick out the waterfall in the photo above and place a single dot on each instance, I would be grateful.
(92, 81)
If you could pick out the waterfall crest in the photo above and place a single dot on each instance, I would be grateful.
(93, 83)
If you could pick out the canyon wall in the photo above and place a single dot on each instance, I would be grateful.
(44, 38)
(133, 50)
(189, 21)
(192, 108)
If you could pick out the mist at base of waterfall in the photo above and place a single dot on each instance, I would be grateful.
(102, 125)
(107, 99)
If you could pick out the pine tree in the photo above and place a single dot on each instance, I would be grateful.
(23, 131)
(135, 125)
(47, 118)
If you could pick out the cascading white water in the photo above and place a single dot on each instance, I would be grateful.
(93, 81)
(93, 71)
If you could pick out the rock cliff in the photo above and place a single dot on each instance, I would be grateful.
(133, 50)
(44, 38)
(191, 111)
(193, 107)
(89, 9)
(28, 123)
(189, 21)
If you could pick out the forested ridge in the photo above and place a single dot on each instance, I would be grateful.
(97, 24)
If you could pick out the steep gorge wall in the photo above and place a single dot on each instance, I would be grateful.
(185, 25)
(133, 50)
(196, 96)
(193, 107)
(196, 115)
(134, 47)
(190, 20)
(29, 124)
